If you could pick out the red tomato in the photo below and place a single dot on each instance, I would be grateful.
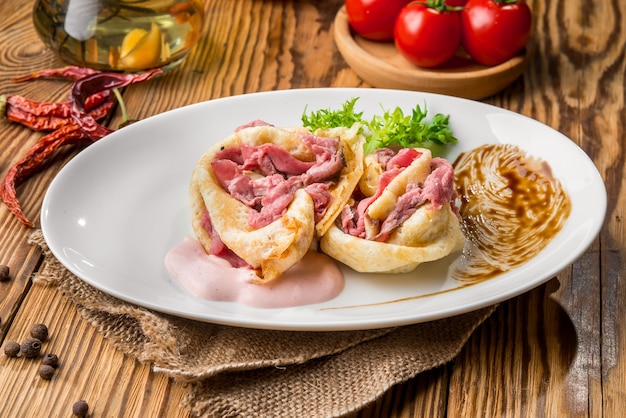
(374, 19)
(426, 36)
(456, 3)
(494, 31)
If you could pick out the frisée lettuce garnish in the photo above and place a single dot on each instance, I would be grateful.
(392, 127)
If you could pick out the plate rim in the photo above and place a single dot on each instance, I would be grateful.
(346, 324)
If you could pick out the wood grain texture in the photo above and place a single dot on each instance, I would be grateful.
(90, 369)
(557, 350)
(553, 347)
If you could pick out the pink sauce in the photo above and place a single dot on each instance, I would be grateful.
(316, 278)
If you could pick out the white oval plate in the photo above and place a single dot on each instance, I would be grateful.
(113, 212)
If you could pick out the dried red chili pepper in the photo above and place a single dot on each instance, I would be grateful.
(33, 161)
(37, 108)
(51, 123)
(42, 116)
(89, 85)
(57, 109)
(60, 109)
(71, 71)
(75, 121)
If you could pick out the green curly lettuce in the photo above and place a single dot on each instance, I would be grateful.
(389, 128)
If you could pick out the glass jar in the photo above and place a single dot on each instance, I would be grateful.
(120, 35)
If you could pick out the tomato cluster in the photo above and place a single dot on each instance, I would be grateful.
(429, 32)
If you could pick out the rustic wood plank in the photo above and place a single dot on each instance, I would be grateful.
(551, 351)
(90, 368)
(423, 396)
(16, 58)
(558, 349)
(253, 46)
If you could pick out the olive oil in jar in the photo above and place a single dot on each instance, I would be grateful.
(120, 35)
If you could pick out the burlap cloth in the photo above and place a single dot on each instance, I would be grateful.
(238, 372)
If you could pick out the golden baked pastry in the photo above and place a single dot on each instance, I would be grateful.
(402, 214)
(260, 197)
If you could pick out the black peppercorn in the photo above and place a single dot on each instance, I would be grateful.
(30, 347)
(80, 408)
(11, 349)
(39, 331)
(4, 273)
(50, 360)
(46, 371)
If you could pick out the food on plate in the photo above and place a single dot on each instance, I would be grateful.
(262, 196)
(314, 279)
(401, 214)
(511, 206)
(389, 128)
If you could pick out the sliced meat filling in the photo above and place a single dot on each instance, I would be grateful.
(437, 190)
(266, 177)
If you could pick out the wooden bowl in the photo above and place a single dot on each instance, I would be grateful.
(381, 65)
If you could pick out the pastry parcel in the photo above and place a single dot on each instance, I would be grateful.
(401, 214)
(262, 196)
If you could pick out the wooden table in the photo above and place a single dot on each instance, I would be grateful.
(555, 351)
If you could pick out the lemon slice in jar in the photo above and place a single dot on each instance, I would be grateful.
(141, 49)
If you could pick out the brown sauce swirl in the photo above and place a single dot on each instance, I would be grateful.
(511, 207)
